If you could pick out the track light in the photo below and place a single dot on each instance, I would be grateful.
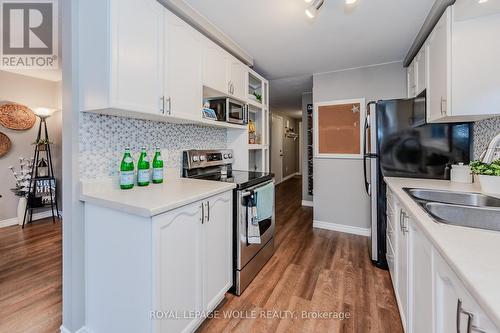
(312, 10)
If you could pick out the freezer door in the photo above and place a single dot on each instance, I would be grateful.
(374, 238)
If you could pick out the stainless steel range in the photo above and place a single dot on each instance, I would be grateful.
(216, 165)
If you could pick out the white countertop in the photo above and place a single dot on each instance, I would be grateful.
(153, 199)
(471, 253)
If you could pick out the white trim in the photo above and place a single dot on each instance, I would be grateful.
(360, 67)
(36, 216)
(307, 203)
(289, 177)
(81, 330)
(362, 114)
(342, 228)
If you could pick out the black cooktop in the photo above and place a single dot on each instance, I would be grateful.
(242, 179)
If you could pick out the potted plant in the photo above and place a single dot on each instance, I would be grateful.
(22, 189)
(42, 144)
(488, 175)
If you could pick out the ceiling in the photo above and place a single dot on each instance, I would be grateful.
(288, 46)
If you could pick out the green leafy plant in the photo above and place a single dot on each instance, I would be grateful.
(42, 142)
(258, 96)
(480, 168)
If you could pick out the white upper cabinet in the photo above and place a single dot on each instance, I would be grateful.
(438, 69)
(237, 78)
(183, 72)
(121, 63)
(463, 53)
(420, 70)
(411, 80)
(215, 67)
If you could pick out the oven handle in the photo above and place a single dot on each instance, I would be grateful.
(247, 193)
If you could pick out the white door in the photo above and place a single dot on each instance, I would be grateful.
(136, 79)
(178, 258)
(238, 78)
(402, 266)
(217, 249)
(277, 148)
(421, 319)
(183, 71)
(215, 68)
(438, 53)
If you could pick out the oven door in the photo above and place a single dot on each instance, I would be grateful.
(237, 112)
(244, 251)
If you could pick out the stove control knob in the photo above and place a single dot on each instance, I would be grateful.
(226, 156)
(230, 155)
(202, 157)
(196, 158)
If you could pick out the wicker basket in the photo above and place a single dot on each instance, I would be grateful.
(16, 116)
(5, 144)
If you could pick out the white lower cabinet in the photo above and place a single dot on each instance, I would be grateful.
(157, 274)
(430, 296)
(194, 261)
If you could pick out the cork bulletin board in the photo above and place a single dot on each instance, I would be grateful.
(339, 129)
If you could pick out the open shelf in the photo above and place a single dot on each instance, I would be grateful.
(257, 146)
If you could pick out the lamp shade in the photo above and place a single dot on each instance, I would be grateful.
(44, 112)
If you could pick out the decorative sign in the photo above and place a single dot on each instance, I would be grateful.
(44, 187)
(310, 155)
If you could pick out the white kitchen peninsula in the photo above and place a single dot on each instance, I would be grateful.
(166, 247)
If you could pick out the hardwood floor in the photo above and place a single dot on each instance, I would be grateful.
(30, 278)
(316, 271)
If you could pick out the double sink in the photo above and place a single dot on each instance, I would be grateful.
(473, 210)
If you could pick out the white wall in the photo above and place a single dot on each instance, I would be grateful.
(31, 92)
(339, 193)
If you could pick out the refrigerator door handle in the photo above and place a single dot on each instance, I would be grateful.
(367, 184)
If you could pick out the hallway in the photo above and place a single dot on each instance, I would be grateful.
(328, 273)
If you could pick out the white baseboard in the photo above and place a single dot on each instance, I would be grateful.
(81, 330)
(307, 203)
(341, 228)
(36, 216)
(289, 176)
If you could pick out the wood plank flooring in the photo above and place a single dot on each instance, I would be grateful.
(30, 278)
(317, 271)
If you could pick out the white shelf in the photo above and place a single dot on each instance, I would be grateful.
(255, 103)
(257, 147)
(215, 123)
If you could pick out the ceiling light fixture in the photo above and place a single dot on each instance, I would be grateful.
(482, 1)
(312, 10)
(350, 2)
(307, 1)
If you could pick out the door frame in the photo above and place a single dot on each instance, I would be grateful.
(278, 178)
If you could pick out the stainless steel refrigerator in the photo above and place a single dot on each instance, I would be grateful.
(399, 143)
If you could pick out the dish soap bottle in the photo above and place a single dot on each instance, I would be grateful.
(157, 167)
(143, 169)
(127, 171)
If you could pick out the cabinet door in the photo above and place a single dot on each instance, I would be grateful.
(136, 80)
(420, 71)
(217, 249)
(184, 94)
(215, 68)
(421, 318)
(438, 69)
(402, 266)
(178, 263)
(238, 78)
(411, 80)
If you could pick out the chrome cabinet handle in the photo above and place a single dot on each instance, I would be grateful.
(169, 100)
(443, 106)
(202, 212)
(208, 211)
(470, 318)
(162, 104)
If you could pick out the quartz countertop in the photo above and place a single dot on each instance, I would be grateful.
(471, 253)
(151, 200)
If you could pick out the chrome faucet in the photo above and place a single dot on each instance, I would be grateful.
(492, 152)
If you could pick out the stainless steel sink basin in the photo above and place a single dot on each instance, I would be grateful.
(456, 198)
(466, 216)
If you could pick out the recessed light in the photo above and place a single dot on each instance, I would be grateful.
(308, 1)
(313, 8)
(351, 2)
(482, 1)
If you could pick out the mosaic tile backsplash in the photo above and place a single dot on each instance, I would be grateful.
(483, 132)
(103, 139)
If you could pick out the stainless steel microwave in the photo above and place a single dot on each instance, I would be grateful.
(230, 110)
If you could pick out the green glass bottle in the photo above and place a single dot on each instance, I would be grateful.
(143, 175)
(127, 171)
(157, 167)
